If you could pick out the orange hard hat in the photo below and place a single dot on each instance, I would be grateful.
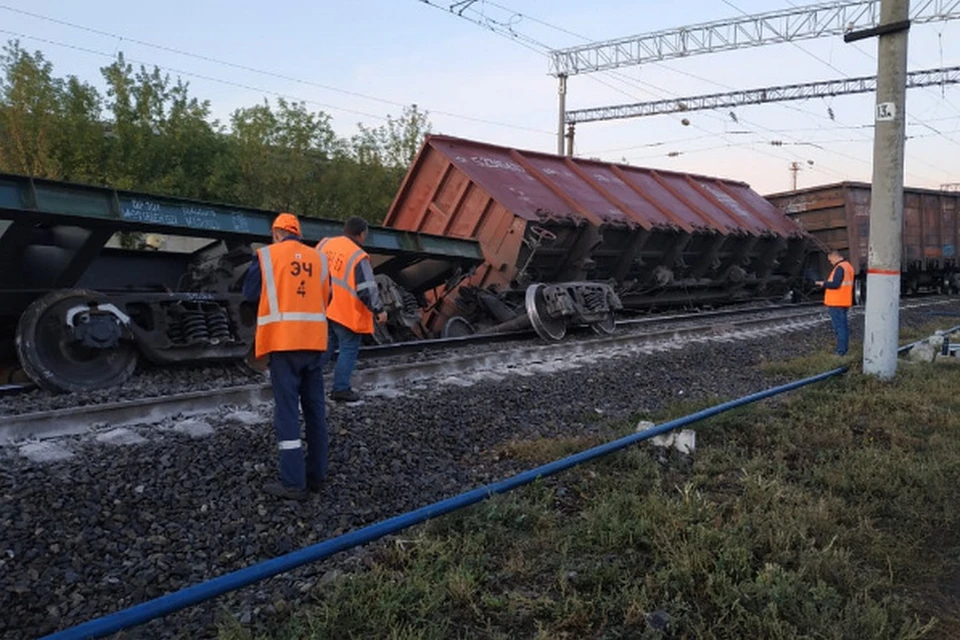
(287, 222)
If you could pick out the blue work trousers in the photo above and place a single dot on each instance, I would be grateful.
(838, 315)
(347, 344)
(297, 380)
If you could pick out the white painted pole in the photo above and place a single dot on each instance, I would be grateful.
(562, 116)
(882, 316)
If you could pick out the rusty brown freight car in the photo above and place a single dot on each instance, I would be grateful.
(568, 240)
(838, 215)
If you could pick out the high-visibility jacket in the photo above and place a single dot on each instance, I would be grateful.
(843, 296)
(294, 289)
(346, 307)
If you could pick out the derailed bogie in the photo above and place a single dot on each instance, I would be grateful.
(548, 309)
(78, 340)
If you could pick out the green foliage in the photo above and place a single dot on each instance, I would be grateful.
(148, 133)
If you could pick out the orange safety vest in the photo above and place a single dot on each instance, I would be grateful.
(294, 289)
(842, 297)
(346, 307)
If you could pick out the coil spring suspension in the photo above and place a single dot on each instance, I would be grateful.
(175, 332)
(218, 325)
(194, 325)
(594, 299)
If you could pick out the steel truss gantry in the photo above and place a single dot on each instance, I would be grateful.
(788, 25)
(865, 84)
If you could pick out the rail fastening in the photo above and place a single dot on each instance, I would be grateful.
(164, 605)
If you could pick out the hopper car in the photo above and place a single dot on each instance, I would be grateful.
(573, 241)
(837, 216)
(77, 313)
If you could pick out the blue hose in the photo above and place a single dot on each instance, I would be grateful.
(195, 594)
(907, 347)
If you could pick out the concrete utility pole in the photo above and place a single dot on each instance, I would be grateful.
(794, 169)
(882, 322)
(562, 91)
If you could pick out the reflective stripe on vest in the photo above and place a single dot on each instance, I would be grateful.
(275, 315)
(344, 282)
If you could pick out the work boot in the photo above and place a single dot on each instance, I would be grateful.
(345, 396)
(315, 486)
(288, 493)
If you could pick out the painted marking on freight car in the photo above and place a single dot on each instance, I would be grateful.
(605, 179)
(884, 272)
(492, 163)
(146, 211)
(557, 172)
(199, 218)
(948, 251)
(730, 202)
(240, 221)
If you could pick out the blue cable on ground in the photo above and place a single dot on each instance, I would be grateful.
(907, 347)
(195, 594)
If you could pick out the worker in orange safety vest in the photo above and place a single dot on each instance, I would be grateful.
(291, 281)
(354, 304)
(838, 298)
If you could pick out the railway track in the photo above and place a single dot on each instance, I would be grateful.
(421, 346)
(171, 496)
(460, 370)
(379, 353)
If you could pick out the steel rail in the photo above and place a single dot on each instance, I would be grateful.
(418, 346)
(78, 420)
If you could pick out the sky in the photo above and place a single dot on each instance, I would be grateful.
(362, 60)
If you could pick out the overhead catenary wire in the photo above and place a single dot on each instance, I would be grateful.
(830, 64)
(543, 49)
(721, 134)
(245, 68)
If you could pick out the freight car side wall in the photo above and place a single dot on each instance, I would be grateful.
(825, 215)
(441, 200)
(839, 216)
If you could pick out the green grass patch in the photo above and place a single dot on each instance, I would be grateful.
(831, 513)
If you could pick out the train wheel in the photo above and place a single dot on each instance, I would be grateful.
(859, 292)
(605, 327)
(457, 327)
(546, 327)
(53, 356)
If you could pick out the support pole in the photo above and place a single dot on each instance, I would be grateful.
(570, 134)
(562, 94)
(882, 321)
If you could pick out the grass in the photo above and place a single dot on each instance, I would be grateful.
(829, 514)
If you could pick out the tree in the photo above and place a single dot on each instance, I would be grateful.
(30, 114)
(148, 133)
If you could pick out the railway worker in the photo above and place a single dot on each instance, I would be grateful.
(838, 298)
(292, 284)
(354, 304)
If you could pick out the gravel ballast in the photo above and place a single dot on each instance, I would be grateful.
(136, 513)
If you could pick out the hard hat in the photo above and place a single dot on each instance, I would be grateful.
(287, 222)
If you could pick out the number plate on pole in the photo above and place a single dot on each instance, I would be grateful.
(886, 111)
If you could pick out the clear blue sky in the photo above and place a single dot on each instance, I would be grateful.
(498, 91)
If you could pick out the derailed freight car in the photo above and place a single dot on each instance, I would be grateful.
(838, 216)
(80, 314)
(568, 240)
